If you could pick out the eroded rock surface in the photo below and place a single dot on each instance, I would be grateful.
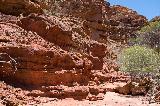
(139, 87)
(103, 21)
(73, 49)
(17, 7)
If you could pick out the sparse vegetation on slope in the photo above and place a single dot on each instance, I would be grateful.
(150, 27)
(149, 35)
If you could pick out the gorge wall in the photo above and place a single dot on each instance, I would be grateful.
(78, 46)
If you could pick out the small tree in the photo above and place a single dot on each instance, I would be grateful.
(137, 59)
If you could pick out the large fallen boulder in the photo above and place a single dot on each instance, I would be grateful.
(140, 87)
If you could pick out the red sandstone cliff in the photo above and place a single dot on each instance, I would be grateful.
(75, 47)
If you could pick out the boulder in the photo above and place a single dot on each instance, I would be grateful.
(140, 87)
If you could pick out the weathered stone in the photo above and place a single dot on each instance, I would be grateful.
(70, 49)
(17, 7)
(134, 88)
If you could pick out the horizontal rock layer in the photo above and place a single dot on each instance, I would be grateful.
(78, 46)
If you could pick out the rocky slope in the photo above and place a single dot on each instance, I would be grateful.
(16, 7)
(67, 54)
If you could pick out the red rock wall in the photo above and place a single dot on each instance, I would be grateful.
(75, 47)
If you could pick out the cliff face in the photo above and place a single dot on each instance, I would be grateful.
(16, 7)
(103, 20)
(74, 47)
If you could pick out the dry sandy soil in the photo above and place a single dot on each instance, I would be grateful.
(111, 99)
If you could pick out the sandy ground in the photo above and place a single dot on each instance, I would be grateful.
(111, 99)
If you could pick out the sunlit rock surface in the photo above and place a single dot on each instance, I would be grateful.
(77, 48)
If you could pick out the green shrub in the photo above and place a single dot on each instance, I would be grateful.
(138, 59)
(150, 39)
(150, 27)
(148, 35)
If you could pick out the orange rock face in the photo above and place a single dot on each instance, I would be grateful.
(16, 7)
(75, 48)
(103, 21)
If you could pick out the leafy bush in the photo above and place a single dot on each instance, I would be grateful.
(148, 36)
(150, 27)
(150, 39)
(138, 59)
